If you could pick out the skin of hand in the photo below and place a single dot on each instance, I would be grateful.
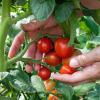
(91, 71)
(91, 4)
(49, 26)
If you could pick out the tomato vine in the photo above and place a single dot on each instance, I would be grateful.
(71, 16)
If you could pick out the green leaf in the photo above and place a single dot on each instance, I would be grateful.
(74, 24)
(6, 98)
(38, 84)
(84, 27)
(3, 75)
(65, 90)
(19, 80)
(93, 43)
(83, 88)
(94, 94)
(94, 27)
(42, 9)
(63, 12)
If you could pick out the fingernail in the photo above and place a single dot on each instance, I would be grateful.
(53, 75)
(73, 63)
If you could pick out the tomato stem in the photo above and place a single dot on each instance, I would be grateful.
(27, 60)
(19, 56)
(4, 26)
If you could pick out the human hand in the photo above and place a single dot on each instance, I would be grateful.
(91, 68)
(33, 28)
(91, 4)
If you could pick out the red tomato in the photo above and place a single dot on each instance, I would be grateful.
(67, 60)
(44, 73)
(65, 69)
(44, 45)
(61, 48)
(52, 59)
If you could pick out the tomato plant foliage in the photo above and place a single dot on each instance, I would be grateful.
(80, 24)
(42, 9)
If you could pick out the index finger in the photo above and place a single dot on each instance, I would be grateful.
(35, 25)
(91, 4)
(19, 39)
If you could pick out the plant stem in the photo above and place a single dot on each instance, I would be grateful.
(16, 58)
(19, 56)
(4, 26)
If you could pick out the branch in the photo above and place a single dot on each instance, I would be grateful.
(17, 58)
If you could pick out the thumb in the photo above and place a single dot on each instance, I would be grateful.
(86, 59)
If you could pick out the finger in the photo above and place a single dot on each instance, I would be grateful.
(19, 39)
(32, 26)
(53, 30)
(89, 73)
(38, 55)
(33, 34)
(91, 4)
(61, 77)
(30, 53)
(28, 68)
(50, 22)
(86, 59)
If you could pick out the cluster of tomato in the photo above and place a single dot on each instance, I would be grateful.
(56, 52)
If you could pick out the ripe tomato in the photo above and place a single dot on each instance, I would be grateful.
(65, 69)
(44, 73)
(49, 84)
(52, 97)
(67, 60)
(44, 45)
(52, 59)
(61, 48)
